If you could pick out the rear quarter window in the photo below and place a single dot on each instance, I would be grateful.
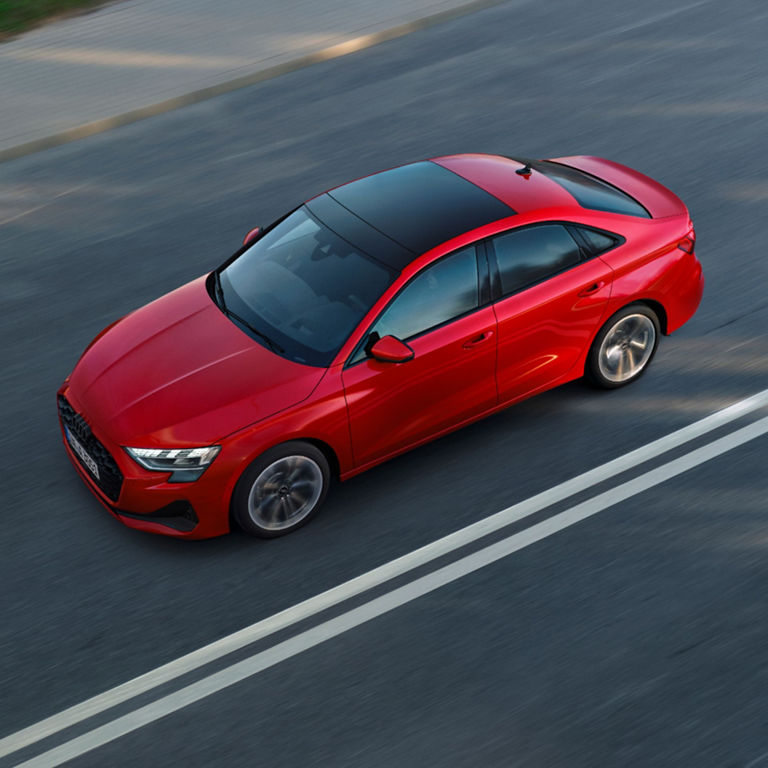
(598, 242)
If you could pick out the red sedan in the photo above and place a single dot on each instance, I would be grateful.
(371, 319)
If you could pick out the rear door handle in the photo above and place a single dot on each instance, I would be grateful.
(478, 340)
(590, 289)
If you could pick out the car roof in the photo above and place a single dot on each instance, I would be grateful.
(398, 214)
(410, 209)
(497, 175)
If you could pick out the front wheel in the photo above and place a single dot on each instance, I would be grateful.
(281, 490)
(624, 347)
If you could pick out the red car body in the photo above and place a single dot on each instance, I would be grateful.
(179, 372)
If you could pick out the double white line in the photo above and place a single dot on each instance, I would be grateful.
(388, 601)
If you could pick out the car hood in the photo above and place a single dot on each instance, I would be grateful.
(179, 372)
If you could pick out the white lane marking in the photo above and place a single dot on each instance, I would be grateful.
(391, 600)
(250, 634)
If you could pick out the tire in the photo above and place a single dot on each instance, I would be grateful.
(281, 490)
(624, 347)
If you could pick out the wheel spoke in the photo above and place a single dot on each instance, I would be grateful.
(298, 497)
(289, 508)
(295, 469)
(272, 509)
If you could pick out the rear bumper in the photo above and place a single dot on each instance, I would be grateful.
(689, 288)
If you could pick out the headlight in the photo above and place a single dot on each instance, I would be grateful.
(186, 464)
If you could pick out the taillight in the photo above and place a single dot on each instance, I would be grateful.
(688, 243)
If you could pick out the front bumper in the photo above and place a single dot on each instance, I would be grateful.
(137, 497)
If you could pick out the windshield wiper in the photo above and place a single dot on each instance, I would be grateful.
(219, 290)
(273, 345)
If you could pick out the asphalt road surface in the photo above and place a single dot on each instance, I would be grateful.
(635, 636)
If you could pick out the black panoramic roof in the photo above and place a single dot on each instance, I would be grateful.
(361, 234)
(411, 209)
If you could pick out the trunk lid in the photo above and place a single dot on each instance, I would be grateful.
(654, 197)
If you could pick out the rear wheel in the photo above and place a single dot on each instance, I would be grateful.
(281, 490)
(624, 347)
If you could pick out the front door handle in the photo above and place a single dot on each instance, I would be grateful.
(590, 289)
(478, 340)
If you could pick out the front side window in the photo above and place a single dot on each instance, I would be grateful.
(443, 291)
(303, 287)
(527, 256)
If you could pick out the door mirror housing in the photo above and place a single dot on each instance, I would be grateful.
(252, 235)
(389, 349)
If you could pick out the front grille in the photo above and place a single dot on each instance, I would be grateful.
(110, 479)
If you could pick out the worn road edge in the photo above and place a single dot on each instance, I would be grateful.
(325, 54)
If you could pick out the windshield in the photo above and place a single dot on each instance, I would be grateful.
(303, 287)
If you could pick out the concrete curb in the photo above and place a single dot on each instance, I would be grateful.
(325, 54)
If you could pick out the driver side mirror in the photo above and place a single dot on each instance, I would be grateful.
(389, 349)
(252, 235)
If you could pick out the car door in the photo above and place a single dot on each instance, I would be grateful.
(552, 301)
(450, 378)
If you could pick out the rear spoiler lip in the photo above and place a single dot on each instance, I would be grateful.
(659, 201)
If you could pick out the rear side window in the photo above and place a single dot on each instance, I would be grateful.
(591, 192)
(527, 256)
